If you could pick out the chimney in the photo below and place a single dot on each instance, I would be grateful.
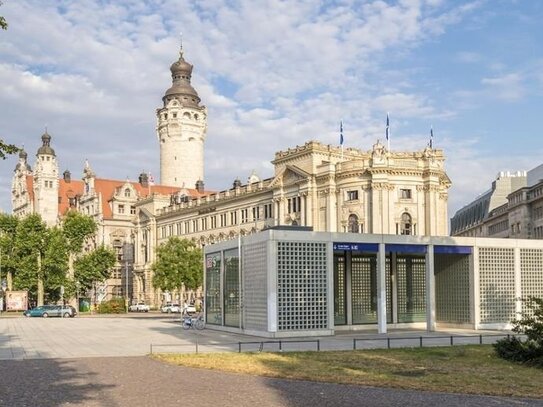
(200, 186)
(144, 180)
(67, 176)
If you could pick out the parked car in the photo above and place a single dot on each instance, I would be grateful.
(139, 307)
(189, 309)
(171, 308)
(46, 311)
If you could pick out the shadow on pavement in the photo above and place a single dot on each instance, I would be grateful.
(48, 382)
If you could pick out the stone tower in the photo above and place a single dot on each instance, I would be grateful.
(181, 130)
(46, 182)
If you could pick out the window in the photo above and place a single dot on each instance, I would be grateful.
(294, 205)
(204, 223)
(233, 218)
(244, 215)
(195, 225)
(268, 211)
(353, 226)
(405, 193)
(132, 210)
(127, 192)
(223, 219)
(406, 226)
(352, 195)
(121, 208)
(170, 230)
(256, 213)
(213, 222)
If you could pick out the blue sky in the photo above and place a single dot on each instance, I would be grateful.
(275, 74)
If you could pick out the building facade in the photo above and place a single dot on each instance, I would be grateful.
(325, 187)
(513, 208)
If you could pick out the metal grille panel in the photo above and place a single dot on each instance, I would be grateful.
(255, 286)
(531, 274)
(496, 284)
(452, 288)
(411, 288)
(302, 289)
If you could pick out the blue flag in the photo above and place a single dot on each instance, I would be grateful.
(387, 130)
(341, 132)
(431, 137)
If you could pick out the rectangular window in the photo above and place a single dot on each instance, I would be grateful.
(352, 195)
(256, 213)
(195, 225)
(204, 223)
(214, 222)
(294, 205)
(244, 215)
(223, 219)
(121, 208)
(268, 211)
(233, 218)
(405, 193)
(187, 227)
(132, 210)
(170, 230)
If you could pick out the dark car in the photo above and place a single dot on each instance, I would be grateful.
(46, 311)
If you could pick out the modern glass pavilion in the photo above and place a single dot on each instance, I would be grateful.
(294, 283)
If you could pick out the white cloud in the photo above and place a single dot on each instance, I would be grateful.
(507, 87)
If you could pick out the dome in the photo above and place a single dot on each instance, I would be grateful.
(181, 87)
(23, 154)
(46, 145)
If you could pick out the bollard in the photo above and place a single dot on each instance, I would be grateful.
(452, 340)
(354, 344)
(421, 341)
(196, 346)
(280, 346)
(388, 343)
(480, 339)
(239, 347)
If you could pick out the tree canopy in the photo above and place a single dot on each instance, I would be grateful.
(179, 262)
(3, 22)
(94, 267)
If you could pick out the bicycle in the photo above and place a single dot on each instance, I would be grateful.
(193, 322)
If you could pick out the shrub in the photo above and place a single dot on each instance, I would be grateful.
(530, 324)
(113, 306)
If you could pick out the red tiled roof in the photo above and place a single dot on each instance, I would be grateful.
(106, 188)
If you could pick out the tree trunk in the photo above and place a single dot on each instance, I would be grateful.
(40, 282)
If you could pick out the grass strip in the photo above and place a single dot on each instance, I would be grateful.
(472, 369)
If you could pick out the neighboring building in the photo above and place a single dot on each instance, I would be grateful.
(321, 186)
(300, 283)
(513, 208)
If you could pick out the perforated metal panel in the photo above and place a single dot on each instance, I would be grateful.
(411, 272)
(452, 288)
(531, 274)
(302, 289)
(340, 306)
(364, 289)
(496, 284)
(255, 286)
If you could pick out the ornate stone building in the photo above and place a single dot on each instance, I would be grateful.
(314, 185)
(512, 208)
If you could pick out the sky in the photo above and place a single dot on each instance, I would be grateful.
(273, 75)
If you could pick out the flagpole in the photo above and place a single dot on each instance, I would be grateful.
(341, 137)
(388, 133)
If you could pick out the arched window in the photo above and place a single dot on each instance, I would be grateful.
(406, 225)
(127, 192)
(353, 226)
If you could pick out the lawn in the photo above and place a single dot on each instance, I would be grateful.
(459, 369)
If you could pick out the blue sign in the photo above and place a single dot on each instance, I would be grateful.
(357, 247)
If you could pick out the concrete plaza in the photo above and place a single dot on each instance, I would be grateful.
(138, 335)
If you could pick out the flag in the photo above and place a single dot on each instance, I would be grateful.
(151, 180)
(431, 144)
(341, 132)
(387, 129)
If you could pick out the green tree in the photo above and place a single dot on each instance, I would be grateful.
(29, 249)
(3, 22)
(6, 149)
(94, 267)
(179, 262)
(55, 264)
(8, 262)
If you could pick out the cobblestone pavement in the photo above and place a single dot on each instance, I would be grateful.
(142, 381)
(138, 335)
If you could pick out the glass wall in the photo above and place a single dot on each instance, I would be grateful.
(232, 298)
(213, 289)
